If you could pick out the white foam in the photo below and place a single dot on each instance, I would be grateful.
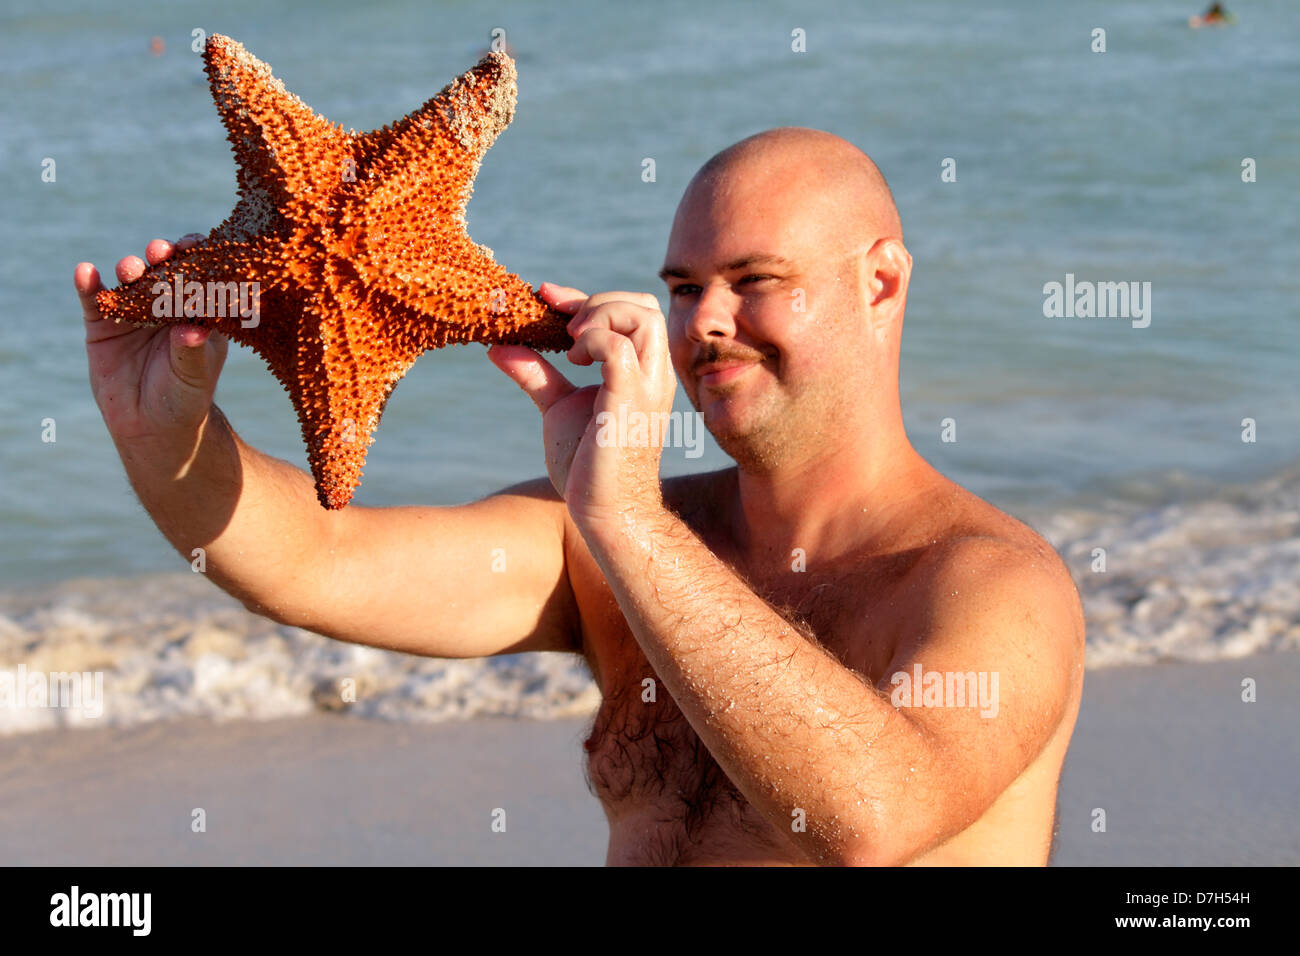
(1200, 580)
(173, 645)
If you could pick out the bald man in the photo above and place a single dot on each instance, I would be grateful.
(828, 654)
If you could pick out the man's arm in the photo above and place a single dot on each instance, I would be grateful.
(803, 736)
(472, 580)
(467, 581)
(485, 578)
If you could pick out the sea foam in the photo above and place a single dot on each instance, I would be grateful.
(1201, 580)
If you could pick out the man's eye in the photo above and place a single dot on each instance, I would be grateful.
(756, 278)
(685, 289)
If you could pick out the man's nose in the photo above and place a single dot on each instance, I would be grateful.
(714, 315)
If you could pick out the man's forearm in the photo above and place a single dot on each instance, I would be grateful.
(792, 727)
(255, 518)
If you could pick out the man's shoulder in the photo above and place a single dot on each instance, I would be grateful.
(988, 563)
(993, 596)
(976, 532)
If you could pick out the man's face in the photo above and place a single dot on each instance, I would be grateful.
(762, 322)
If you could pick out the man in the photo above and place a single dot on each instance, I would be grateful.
(752, 630)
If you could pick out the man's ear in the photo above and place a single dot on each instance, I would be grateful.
(887, 270)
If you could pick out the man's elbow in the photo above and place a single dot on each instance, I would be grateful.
(890, 841)
(873, 848)
(876, 853)
(278, 612)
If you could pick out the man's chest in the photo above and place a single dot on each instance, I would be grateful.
(859, 610)
(642, 752)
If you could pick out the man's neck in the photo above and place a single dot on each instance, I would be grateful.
(845, 498)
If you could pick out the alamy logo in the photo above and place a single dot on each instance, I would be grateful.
(922, 688)
(208, 300)
(635, 429)
(22, 689)
(102, 909)
(1102, 300)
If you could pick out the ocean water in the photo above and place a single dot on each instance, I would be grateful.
(1117, 166)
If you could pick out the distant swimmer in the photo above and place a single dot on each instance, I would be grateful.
(1216, 16)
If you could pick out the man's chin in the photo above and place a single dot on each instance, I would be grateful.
(724, 423)
(738, 439)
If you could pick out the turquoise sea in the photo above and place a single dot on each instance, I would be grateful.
(1123, 165)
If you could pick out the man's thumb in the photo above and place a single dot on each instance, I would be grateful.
(536, 376)
(189, 358)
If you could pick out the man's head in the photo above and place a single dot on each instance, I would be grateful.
(788, 279)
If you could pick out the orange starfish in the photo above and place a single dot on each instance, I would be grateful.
(347, 255)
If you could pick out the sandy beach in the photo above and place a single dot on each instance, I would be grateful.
(1187, 773)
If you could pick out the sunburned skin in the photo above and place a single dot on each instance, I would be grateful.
(667, 800)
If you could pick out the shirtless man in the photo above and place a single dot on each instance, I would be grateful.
(745, 627)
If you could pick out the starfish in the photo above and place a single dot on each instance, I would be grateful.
(346, 256)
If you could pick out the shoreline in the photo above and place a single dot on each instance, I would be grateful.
(1187, 773)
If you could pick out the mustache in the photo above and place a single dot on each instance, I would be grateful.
(712, 352)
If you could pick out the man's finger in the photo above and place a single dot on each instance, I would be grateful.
(158, 251)
(129, 269)
(643, 325)
(86, 279)
(616, 353)
(536, 376)
(625, 318)
(562, 298)
(644, 299)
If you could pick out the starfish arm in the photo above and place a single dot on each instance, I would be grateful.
(470, 298)
(458, 126)
(200, 286)
(344, 374)
(284, 151)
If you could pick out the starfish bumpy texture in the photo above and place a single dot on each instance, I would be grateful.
(346, 256)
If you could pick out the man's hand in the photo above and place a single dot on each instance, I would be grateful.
(150, 382)
(602, 459)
